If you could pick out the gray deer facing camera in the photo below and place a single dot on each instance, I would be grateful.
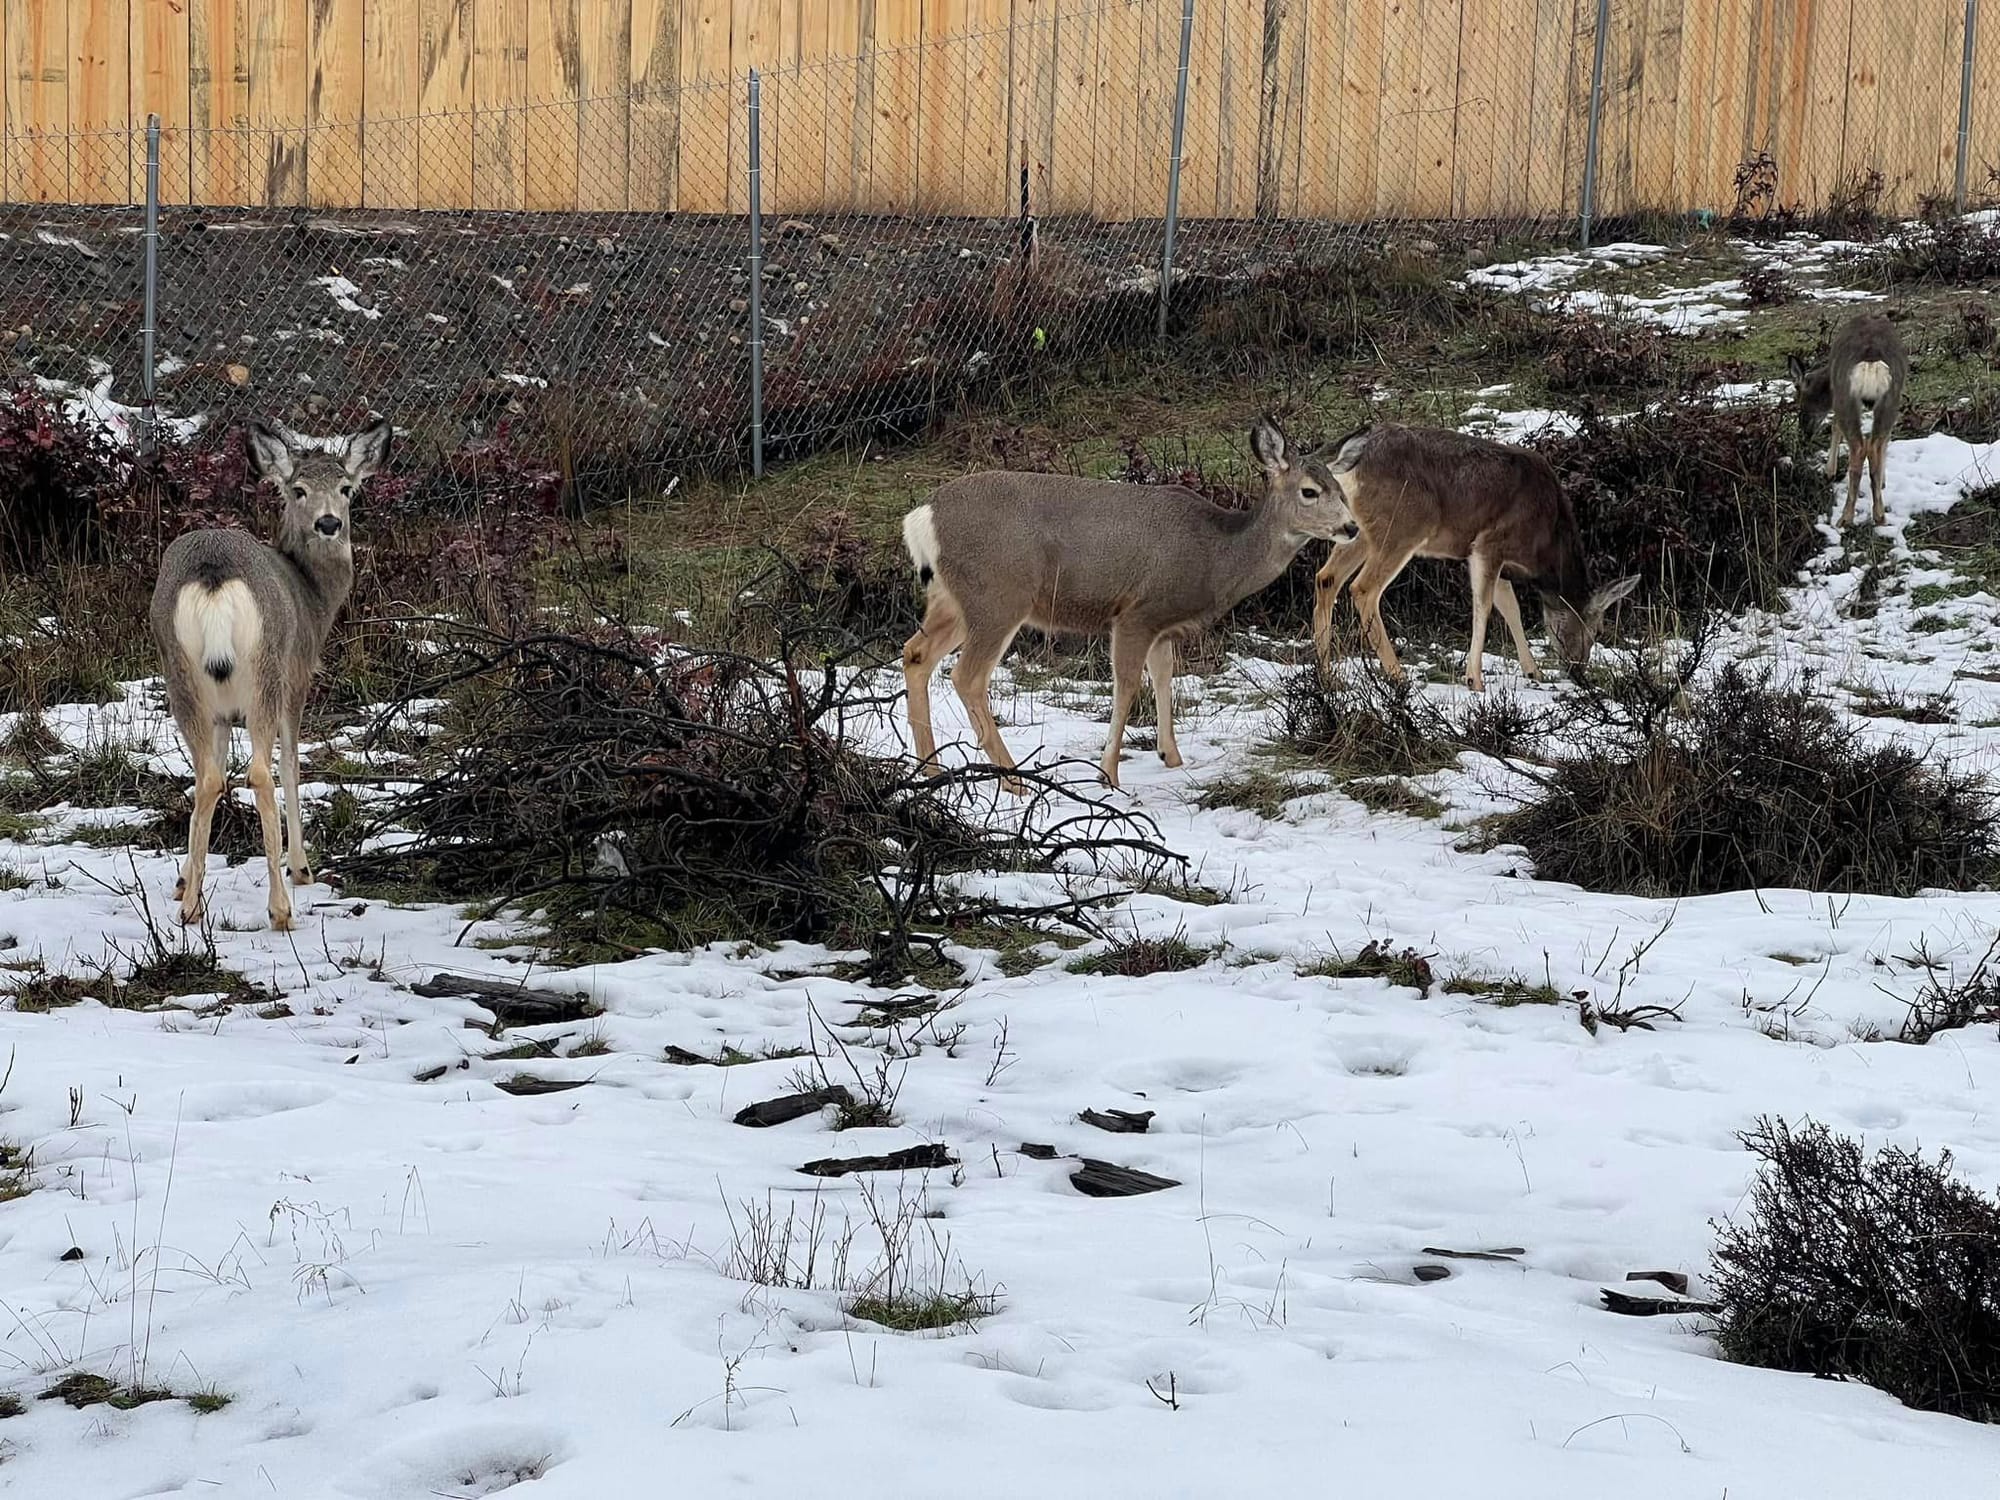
(1144, 564)
(240, 627)
(1500, 510)
(1861, 384)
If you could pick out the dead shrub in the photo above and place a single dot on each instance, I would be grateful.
(1883, 1269)
(1760, 786)
(1364, 724)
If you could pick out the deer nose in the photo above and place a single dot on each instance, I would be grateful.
(1349, 532)
(327, 526)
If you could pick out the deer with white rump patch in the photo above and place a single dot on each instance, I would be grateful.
(1861, 385)
(1145, 564)
(1429, 492)
(240, 627)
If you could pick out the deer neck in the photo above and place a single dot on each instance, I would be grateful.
(323, 576)
(1262, 547)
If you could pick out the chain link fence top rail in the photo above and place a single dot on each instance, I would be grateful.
(570, 279)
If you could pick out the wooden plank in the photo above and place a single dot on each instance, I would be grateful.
(1861, 152)
(895, 98)
(1982, 178)
(445, 99)
(989, 98)
(336, 64)
(756, 41)
(100, 102)
(279, 84)
(1281, 110)
(1114, 112)
(218, 101)
(1510, 77)
(654, 126)
(1474, 109)
(549, 127)
(1201, 148)
(1361, 110)
(1396, 139)
(1320, 143)
(945, 120)
(1624, 95)
(604, 55)
(38, 62)
(1930, 78)
(1239, 107)
(6, 116)
(1436, 97)
(1552, 41)
(705, 107)
(392, 83)
(160, 56)
(499, 90)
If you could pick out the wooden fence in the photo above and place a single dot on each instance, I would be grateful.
(1339, 109)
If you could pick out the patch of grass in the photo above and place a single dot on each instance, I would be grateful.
(11, 1405)
(1262, 792)
(1945, 1002)
(1926, 594)
(11, 879)
(1393, 795)
(1505, 991)
(81, 1389)
(1362, 724)
(594, 1045)
(1878, 702)
(1405, 968)
(729, 1055)
(210, 1401)
(1968, 535)
(17, 1172)
(924, 1312)
(1138, 957)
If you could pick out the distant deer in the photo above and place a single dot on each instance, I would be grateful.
(1427, 492)
(1144, 564)
(1861, 384)
(240, 627)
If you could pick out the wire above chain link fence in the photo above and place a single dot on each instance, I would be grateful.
(567, 291)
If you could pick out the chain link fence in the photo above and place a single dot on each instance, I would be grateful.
(573, 305)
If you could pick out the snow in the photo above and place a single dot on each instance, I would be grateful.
(411, 1289)
(345, 295)
(94, 406)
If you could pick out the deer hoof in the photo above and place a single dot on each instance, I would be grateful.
(281, 921)
(1172, 758)
(301, 875)
(1014, 786)
(190, 913)
(1475, 683)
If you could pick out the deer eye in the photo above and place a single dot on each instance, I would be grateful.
(298, 491)
(1310, 491)
(347, 491)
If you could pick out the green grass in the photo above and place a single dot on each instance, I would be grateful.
(1505, 991)
(1393, 795)
(1138, 957)
(1406, 968)
(1262, 792)
(923, 1312)
(81, 1389)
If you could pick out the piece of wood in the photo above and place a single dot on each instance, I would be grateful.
(788, 1107)
(912, 1159)
(653, 126)
(279, 80)
(1103, 1179)
(1651, 1307)
(499, 94)
(511, 1005)
(549, 128)
(1430, 1273)
(1674, 1281)
(604, 146)
(161, 52)
(100, 102)
(681, 1057)
(38, 53)
(445, 134)
(1036, 1151)
(525, 1086)
(431, 1075)
(1506, 1252)
(1118, 1121)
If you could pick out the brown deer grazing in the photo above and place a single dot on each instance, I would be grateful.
(1861, 384)
(1144, 564)
(1427, 492)
(240, 627)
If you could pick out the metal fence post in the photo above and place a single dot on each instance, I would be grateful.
(1174, 166)
(756, 276)
(1588, 208)
(1965, 102)
(148, 434)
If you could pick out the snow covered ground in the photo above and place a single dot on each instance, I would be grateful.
(418, 1288)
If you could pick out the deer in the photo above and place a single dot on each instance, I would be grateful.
(1500, 510)
(1146, 565)
(240, 627)
(1861, 385)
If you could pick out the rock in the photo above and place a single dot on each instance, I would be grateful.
(795, 229)
(75, 1252)
(1430, 1273)
(739, 304)
(238, 374)
(830, 243)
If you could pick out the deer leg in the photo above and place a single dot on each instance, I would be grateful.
(1510, 611)
(1485, 573)
(977, 656)
(208, 747)
(1878, 453)
(288, 771)
(1341, 564)
(262, 729)
(1129, 652)
(1833, 449)
(1376, 575)
(1160, 669)
(1855, 458)
(936, 638)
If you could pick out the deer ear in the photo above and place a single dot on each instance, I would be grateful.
(1269, 445)
(1797, 368)
(1610, 594)
(367, 450)
(270, 454)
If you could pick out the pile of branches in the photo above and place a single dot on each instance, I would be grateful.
(675, 798)
(1884, 1269)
